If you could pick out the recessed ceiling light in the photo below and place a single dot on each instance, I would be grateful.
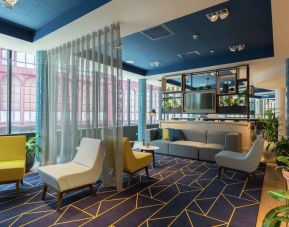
(224, 13)
(212, 51)
(155, 64)
(129, 61)
(195, 36)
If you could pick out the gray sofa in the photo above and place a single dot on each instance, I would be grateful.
(202, 145)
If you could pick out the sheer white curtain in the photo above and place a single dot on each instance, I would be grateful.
(83, 98)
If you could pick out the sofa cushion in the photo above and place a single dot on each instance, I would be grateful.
(176, 134)
(195, 135)
(166, 135)
(162, 144)
(188, 143)
(208, 151)
(159, 134)
(12, 170)
(187, 149)
(216, 137)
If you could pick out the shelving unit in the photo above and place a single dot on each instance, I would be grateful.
(231, 86)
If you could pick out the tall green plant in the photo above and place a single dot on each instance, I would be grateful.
(33, 148)
(284, 162)
(282, 147)
(270, 125)
(279, 214)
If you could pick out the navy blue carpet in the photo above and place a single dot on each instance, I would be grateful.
(180, 192)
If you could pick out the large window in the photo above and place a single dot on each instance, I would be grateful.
(22, 106)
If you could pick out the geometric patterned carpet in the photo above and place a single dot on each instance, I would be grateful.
(181, 192)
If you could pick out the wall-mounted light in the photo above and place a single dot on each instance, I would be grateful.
(222, 14)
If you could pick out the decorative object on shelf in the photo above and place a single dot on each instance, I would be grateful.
(32, 151)
(279, 214)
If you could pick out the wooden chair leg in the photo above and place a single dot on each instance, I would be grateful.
(59, 201)
(220, 172)
(92, 190)
(17, 186)
(129, 179)
(44, 191)
(147, 171)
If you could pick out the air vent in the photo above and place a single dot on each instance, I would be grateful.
(158, 32)
(189, 55)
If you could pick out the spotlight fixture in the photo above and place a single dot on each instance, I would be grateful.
(213, 17)
(8, 3)
(129, 61)
(238, 47)
(155, 64)
(222, 14)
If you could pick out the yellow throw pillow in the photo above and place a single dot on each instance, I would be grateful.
(166, 135)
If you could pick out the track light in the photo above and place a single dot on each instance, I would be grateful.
(155, 64)
(213, 17)
(238, 47)
(222, 14)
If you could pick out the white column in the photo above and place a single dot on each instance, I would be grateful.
(280, 109)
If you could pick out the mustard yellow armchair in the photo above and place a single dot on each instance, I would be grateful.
(134, 161)
(12, 160)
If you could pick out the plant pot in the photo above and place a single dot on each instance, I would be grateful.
(269, 156)
(286, 176)
(30, 160)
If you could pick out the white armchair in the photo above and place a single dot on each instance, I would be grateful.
(83, 171)
(246, 162)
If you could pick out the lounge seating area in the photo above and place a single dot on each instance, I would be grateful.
(144, 113)
(201, 145)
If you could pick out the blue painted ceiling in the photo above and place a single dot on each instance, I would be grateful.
(34, 19)
(249, 22)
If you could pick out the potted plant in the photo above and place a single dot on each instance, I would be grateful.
(284, 165)
(279, 214)
(32, 151)
(282, 147)
(270, 124)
